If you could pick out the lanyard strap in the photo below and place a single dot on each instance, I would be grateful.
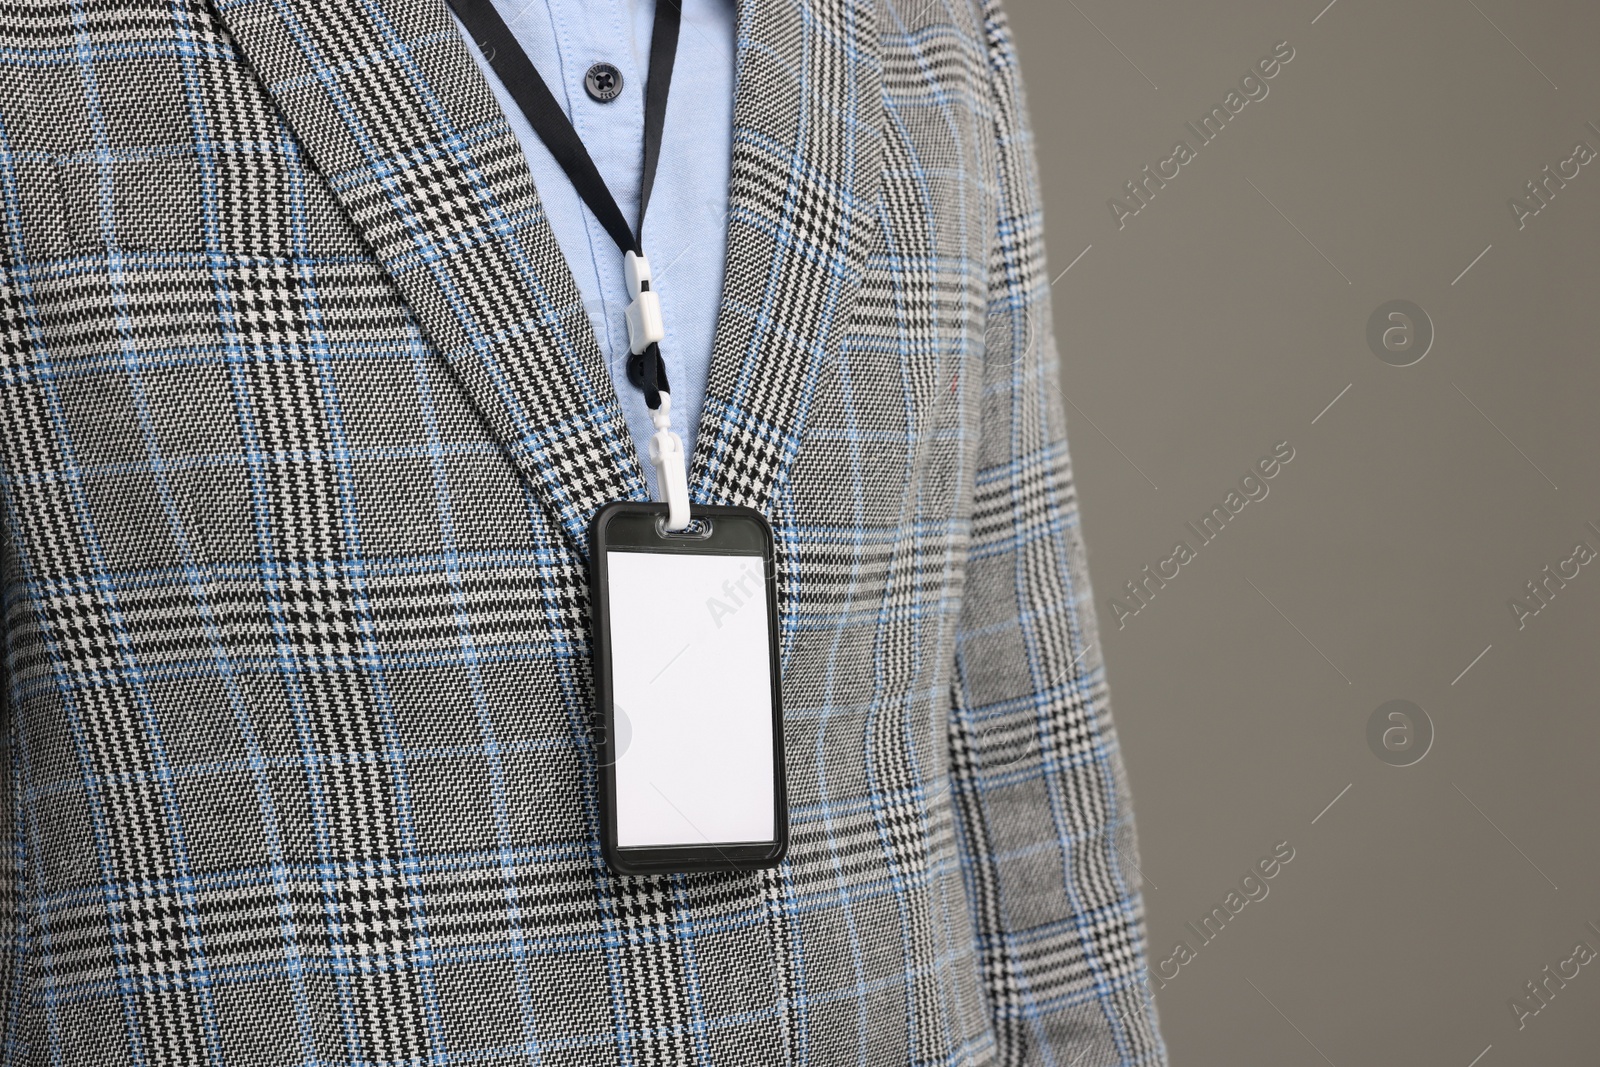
(501, 48)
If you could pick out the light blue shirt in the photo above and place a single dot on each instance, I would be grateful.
(685, 229)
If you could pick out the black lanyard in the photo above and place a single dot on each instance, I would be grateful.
(533, 96)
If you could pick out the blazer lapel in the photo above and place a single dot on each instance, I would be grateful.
(393, 112)
(806, 167)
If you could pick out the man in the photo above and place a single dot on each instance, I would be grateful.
(304, 421)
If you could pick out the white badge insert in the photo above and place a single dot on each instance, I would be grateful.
(691, 687)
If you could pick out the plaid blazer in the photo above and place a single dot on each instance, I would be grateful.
(302, 424)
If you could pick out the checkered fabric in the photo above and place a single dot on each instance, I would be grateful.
(301, 427)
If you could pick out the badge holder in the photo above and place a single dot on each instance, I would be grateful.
(688, 699)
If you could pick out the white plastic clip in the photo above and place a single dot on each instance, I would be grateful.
(644, 313)
(666, 453)
(666, 448)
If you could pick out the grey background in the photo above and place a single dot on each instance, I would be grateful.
(1208, 329)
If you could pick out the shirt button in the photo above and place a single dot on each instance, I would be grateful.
(604, 82)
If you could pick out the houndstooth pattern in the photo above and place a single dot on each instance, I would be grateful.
(302, 424)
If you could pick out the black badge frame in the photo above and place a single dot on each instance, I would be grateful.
(727, 531)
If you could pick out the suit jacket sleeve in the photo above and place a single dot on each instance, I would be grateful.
(1041, 798)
